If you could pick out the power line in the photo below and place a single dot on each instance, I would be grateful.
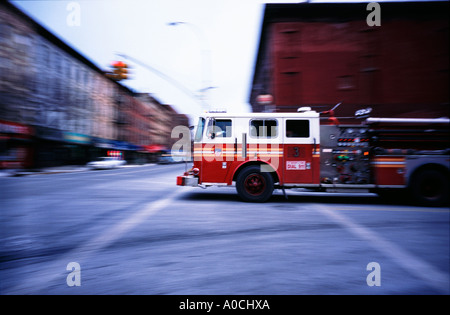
(174, 82)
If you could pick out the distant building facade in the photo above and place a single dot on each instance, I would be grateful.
(321, 54)
(163, 118)
(160, 120)
(57, 107)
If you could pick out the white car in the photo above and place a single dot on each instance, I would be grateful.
(106, 162)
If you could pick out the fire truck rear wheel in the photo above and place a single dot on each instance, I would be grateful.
(430, 188)
(253, 185)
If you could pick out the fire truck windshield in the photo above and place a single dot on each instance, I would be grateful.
(200, 127)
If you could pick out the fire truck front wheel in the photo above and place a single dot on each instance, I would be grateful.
(253, 185)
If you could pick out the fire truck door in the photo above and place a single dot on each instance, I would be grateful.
(298, 149)
(218, 144)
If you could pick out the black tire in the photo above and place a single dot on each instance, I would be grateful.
(430, 188)
(252, 185)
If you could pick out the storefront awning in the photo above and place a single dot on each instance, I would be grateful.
(154, 148)
(77, 138)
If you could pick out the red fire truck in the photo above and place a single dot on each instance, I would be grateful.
(260, 152)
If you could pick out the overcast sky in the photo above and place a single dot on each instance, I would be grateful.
(221, 38)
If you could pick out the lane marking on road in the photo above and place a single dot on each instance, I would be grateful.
(412, 209)
(56, 269)
(413, 264)
(118, 172)
(124, 226)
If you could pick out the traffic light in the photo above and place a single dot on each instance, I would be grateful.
(120, 71)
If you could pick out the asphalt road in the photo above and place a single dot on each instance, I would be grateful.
(133, 231)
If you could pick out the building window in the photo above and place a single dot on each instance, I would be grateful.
(5, 31)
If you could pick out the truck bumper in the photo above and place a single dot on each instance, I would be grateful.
(187, 180)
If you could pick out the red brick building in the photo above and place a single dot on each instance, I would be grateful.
(320, 54)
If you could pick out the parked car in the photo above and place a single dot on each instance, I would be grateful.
(106, 163)
(165, 158)
(170, 157)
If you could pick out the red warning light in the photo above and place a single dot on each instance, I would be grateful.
(115, 154)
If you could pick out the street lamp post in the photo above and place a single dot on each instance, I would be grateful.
(205, 60)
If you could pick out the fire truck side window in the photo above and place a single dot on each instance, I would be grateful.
(219, 128)
(264, 128)
(297, 128)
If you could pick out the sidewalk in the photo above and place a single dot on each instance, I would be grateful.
(55, 170)
(46, 170)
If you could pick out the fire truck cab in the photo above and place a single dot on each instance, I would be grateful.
(259, 152)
